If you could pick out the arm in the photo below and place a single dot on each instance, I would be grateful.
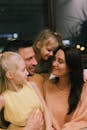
(47, 117)
(85, 75)
(79, 118)
(35, 122)
(2, 102)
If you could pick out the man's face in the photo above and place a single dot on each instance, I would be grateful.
(29, 57)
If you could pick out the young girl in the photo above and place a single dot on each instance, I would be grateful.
(44, 46)
(18, 96)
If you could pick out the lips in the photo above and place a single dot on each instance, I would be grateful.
(32, 69)
(54, 69)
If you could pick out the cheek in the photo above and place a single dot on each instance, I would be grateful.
(28, 64)
(62, 70)
(43, 53)
(65, 70)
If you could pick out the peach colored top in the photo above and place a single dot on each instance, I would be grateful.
(56, 100)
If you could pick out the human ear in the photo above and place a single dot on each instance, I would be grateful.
(9, 75)
(38, 45)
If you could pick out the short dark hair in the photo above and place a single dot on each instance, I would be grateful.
(15, 45)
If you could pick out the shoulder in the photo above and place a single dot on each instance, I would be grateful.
(38, 80)
(39, 76)
(48, 85)
(84, 92)
(36, 77)
(2, 102)
(85, 75)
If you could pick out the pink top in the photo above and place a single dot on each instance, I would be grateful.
(56, 100)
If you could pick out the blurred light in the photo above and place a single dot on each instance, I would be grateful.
(78, 46)
(66, 42)
(5, 35)
(9, 35)
(82, 48)
(15, 35)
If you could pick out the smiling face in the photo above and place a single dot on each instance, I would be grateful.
(59, 66)
(47, 48)
(12, 71)
(29, 57)
(16, 70)
(20, 75)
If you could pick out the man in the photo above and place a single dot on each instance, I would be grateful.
(25, 49)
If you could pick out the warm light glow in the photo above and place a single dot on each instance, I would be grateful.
(78, 46)
(82, 48)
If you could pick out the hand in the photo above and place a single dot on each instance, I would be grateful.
(85, 80)
(35, 121)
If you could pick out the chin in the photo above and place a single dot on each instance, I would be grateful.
(46, 58)
(54, 73)
(31, 74)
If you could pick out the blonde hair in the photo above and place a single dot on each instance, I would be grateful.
(8, 61)
(44, 37)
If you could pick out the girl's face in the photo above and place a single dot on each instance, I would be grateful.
(59, 66)
(20, 76)
(46, 50)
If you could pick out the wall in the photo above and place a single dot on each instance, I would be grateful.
(26, 17)
(69, 14)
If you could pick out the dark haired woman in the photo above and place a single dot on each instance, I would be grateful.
(66, 95)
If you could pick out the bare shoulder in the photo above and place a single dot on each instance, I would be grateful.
(47, 85)
(84, 92)
(38, 80)
(39, 76)
(2, 102)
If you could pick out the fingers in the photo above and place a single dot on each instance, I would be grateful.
(36, 120)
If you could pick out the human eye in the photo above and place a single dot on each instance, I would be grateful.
(49, 50)
(60, 61)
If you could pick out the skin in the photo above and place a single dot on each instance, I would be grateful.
(46, 49)
(59, 67)
(85, 75)
(29, 57)
(52, 92)
(20, 77)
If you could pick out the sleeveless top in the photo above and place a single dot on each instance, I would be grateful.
(19, 104)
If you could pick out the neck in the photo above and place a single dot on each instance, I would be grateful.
(16, 88)
(64, 83)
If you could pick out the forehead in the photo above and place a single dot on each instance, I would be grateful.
(60, 54)
(51, 41)
(21, 63)
(26, 52)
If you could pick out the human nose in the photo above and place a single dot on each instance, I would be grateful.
(34, 62)
(51, 53)
(55, 63)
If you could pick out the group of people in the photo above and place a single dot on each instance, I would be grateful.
(32, 101)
